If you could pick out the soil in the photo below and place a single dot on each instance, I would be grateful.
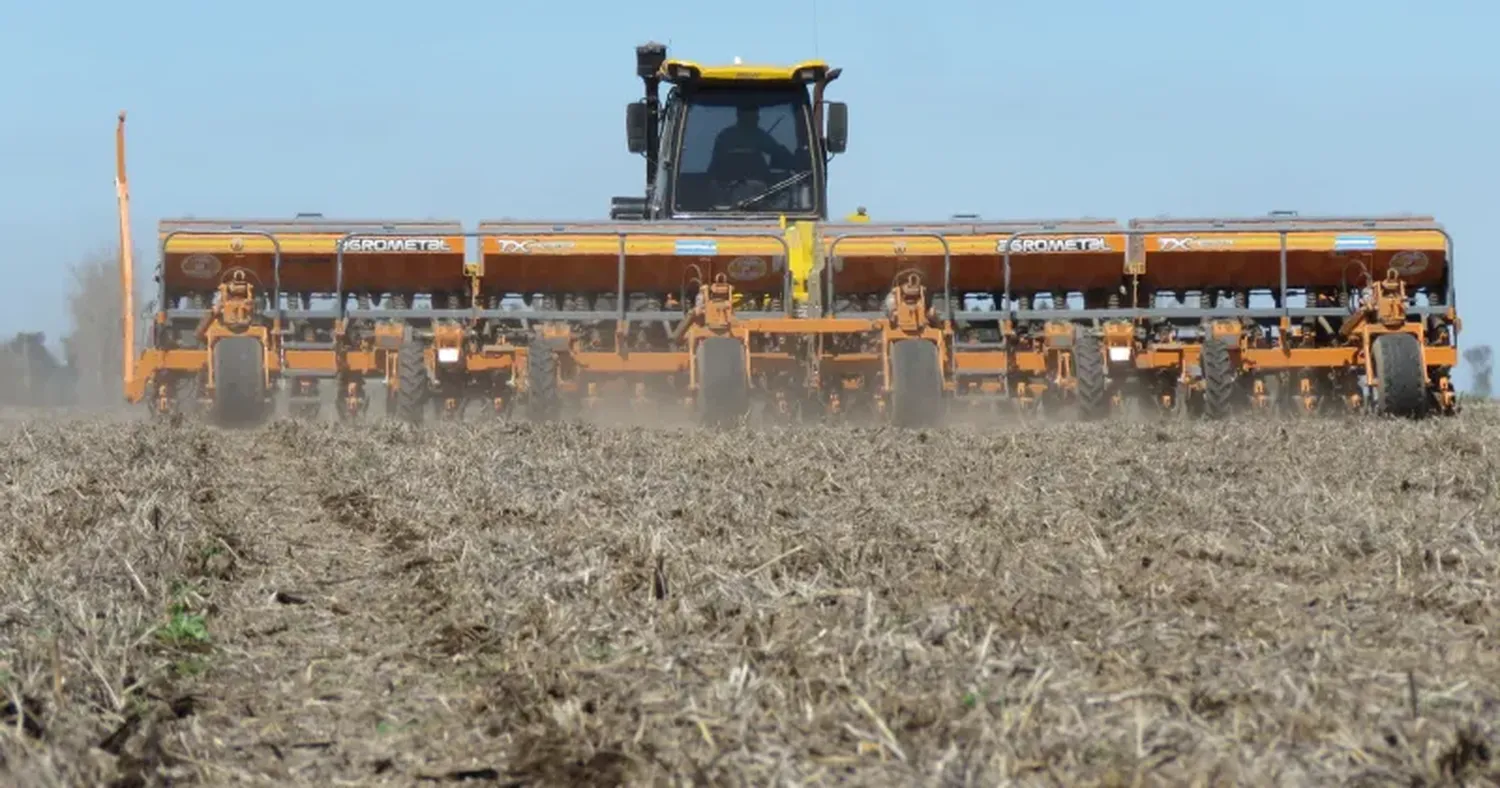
(1268, 601)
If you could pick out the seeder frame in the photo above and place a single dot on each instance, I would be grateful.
(451, 351)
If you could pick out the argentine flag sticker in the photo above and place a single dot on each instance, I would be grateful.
(1345, 243)
(698, 246)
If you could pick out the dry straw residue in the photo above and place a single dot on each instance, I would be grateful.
(1289, 603)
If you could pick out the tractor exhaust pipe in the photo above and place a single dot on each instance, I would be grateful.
(127, 263)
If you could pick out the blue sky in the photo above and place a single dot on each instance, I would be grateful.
(470, 110)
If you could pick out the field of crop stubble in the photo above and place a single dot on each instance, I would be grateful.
(307, 604)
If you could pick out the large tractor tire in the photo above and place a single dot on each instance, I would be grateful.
(543, 402)
(916, 383)
(1401, 376)
(239, 382)
(723, 381)
(411, 382)
(1218, 378)
(1088, 372)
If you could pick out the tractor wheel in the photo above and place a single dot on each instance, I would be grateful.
(1088, 371)
(542, 400)
(916, 383)
(1398, 366)
(411, 382)
(1218, 378)
(239, 381)
(723, 382)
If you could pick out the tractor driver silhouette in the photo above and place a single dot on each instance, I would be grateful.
(740, 150)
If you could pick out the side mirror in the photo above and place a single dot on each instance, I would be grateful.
(635, 126)
(836, 139)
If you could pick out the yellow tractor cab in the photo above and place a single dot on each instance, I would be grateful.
(747, 142)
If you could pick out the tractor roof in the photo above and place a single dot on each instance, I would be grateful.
(806, 72)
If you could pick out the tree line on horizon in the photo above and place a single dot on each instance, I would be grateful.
(90, 371)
